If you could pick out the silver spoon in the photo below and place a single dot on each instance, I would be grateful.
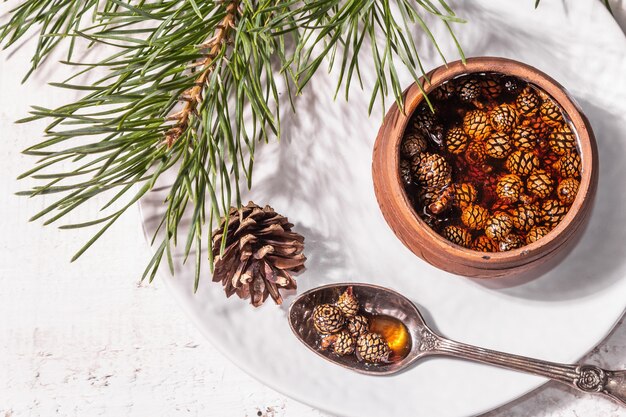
(425, 342)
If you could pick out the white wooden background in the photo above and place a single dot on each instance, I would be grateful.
(86, 339)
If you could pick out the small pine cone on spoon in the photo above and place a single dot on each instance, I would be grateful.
(260, 254)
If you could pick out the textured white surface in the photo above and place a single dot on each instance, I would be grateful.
(86, 340)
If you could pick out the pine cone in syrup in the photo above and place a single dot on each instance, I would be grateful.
(484, 244)
(371, 347)
(528, 102)
(469, 90)
(498, 145)
(457, 235)
(562, 140)
(509, 188)
(553, 212)
(327, 319)
(503, 118)
(475, 154)
(405, 172)
(491, 88)
(344, 344)
(475, 217)
(434, 172)
(476, 125)
(423, 118)
(567, 190)
(568, 165)
(510, 242)
(524, 138)
(456, 140)
(512, 85)
(499, 226)
(464, 194)
(540, 184)
(522, 163)
(525, 217)
(357, 325)
(261, 254)
(539, 126)
(413, 144)
(536, 233)
(551, 113)
(348, 303)
(444, 91)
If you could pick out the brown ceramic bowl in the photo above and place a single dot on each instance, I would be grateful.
(428, 244)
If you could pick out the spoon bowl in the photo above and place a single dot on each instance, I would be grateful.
(376, 300)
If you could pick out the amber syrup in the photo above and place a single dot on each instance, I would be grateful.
(395, 334)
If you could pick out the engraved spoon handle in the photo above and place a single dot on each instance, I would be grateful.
(587, 378)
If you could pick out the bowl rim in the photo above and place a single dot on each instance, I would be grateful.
(586, 141)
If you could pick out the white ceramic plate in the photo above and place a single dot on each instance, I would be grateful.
(319, 176)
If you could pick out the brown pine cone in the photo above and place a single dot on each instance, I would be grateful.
(413, 144)
(457, 235)
(484, 244)
(261, 254)
(469, 90)
(476, 125)
(522, 163)
(327, 319)
(491, 88)
(528, 102)
(525, 216)
(357, 325)
(539, 126)
(456, 140)
(344, 344)
(510, 242)
(509, 188)
(498, 226)
(434, 172)
(475, 154)
(562, 140)
(568, 165)
(444, 91)
(540, 184)
(551, 113)
(371, 347)
(405, 172)
(475, 217)
(553, 212)
(498, 145)
(423, 119)
(503, 118)
(464, 194)
(512, 85)
(567, 190)
(536, 233)
(348, 303)
(525, 138)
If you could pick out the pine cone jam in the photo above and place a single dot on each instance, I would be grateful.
(507, 171)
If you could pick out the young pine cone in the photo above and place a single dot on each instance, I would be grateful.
(553, 212)
(475, 217)
(344, 344)
(444, 91)
(260, 255)
(551, 113)
(456, 140)
(484, 244)
(525, 138)
(498, 145)
(413, 144)
(434, 172)
(475, 154)
(348, 303)
(522, 163)
(567, 190)
(562, 140)
(527, 102)
(469, 90)
(476, 125)
(510, 242)
(405, 172)
(509, 188)
(491, 88)
(423, 119)
(499, 226)
(525, 217)
(457, 235)
(539, 126)
(512, 85)
(371, 347)
(568, 165)
(536, 233)
(357, 325)
(464, 194)
(327, 319)
(503, 118)
(540, 184)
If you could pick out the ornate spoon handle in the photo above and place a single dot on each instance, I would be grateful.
(587, 378)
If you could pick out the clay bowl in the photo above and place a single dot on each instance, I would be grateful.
(428, 244)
